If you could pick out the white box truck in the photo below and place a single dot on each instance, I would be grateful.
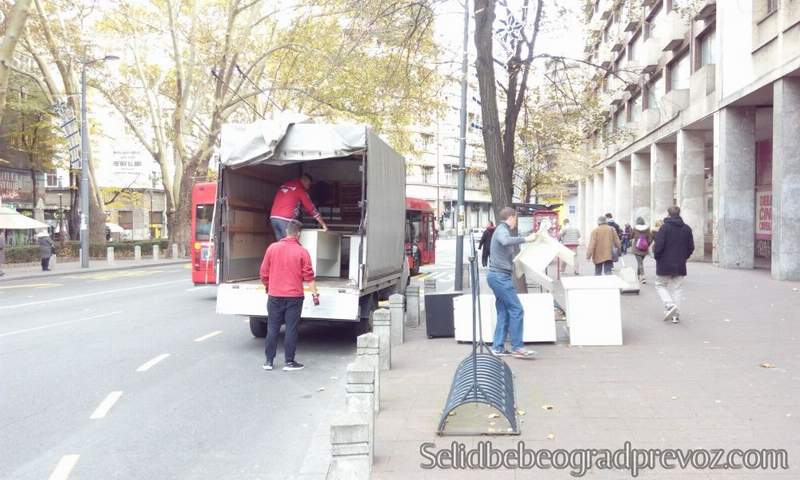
(359, 188)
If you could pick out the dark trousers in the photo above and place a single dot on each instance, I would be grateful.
(282, 310)
(46, 263)
(600, 267)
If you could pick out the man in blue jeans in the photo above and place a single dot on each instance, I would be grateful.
(509, 308)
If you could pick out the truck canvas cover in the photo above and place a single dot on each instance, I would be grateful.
(294, 139)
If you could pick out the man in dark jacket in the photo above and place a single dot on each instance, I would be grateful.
(674, 245)
(485, 244)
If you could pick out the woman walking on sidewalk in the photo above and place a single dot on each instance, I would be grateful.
(45, 250)
(642, 239)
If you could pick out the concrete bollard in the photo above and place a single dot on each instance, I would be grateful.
(367, 349)
(382, 326)
(174, 250)
(396, 304)
(53, 261)
(155, 252)
(137, 253)
(430, 285)
(360, 395)
(350, 449)
(110, 255)
(412, 306)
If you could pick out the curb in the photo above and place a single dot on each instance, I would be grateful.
(6, 278)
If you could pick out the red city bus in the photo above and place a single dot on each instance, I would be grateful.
(420, 234)
(204, 195)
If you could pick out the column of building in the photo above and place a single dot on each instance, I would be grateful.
(598, 199)
(622, 190)
(734, 186)
(640, 186)
(691, 185)
(588, 207)
(786, 179)
(662, 179)
(609, 184)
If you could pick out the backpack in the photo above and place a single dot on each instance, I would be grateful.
(642, 244)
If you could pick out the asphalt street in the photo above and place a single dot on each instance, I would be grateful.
(132, 375)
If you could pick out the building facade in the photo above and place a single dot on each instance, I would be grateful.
(432, 174)
(703, 104)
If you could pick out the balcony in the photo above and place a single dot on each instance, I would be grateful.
(651, 55)
(702, 83)
(605, 56)
(651, 119)
(619, 98)
(675, 30)
(675, 101)
(708, 8)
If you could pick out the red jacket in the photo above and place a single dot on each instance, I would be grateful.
(285, 267)
(290, 196)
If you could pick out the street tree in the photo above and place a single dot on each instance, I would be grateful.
(13, 26)
(242, 61)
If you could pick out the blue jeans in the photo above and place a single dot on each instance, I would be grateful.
(509, 310)
(279, 227)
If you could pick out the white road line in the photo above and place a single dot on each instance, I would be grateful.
(15, 332)
(206, 337)
(106, 405)
(200, 288)
(87, 295)
(149, 364)
(64, 467)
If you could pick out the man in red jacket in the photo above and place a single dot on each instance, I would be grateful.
(291, 196)
(285, 267)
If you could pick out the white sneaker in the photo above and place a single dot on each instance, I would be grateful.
(670, 313)
(522, 353)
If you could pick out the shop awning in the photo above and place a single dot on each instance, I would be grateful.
(11, 220)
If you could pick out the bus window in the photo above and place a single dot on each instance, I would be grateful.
(203, 214)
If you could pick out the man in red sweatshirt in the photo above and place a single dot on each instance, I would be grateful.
(285, 267)
(291, 196)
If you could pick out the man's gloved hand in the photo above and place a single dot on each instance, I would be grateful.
(315, 298)
(532, 237)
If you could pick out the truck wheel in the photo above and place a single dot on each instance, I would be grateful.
(258, 326)
(366, 306)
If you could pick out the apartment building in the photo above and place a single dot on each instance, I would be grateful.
(432, 174)
(703, 104)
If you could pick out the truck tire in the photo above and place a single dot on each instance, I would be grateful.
(366, 305)
(258, 326)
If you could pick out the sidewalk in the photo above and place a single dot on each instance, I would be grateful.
(29, 271)
(727, 377)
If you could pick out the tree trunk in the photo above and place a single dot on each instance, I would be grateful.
(500, 184)
(14, 26)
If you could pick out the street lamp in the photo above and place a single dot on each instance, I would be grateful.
(85, 160)
(61, 218)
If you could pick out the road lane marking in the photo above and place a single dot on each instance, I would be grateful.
(150, 363)
(94, 317)
(33, 285)
(88, 295)
(106, 405)
(64, 467)
(200, 288)
(206, 337)
(116, 274)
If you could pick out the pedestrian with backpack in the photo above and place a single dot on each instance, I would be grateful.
(674, 244)
(642, 238)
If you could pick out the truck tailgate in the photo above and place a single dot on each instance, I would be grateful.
(337, 300)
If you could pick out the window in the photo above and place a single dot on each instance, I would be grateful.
(52, 180)
(708, 55)
(652, 21)
(633, 49)
(427, 174)
(156, 218)
(619, 120)
(125, 219)
(203, 215)
(772, 5)
(635, 109)
(679, 73)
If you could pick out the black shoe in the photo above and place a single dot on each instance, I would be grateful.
(293, 366)
(267, 365)
(500, 353)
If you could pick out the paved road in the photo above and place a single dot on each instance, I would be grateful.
(131, 374)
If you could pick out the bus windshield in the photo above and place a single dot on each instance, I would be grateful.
(203, 214)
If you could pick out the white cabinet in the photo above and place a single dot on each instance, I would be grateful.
(593, 309)
(539, 324)
(325, 249)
